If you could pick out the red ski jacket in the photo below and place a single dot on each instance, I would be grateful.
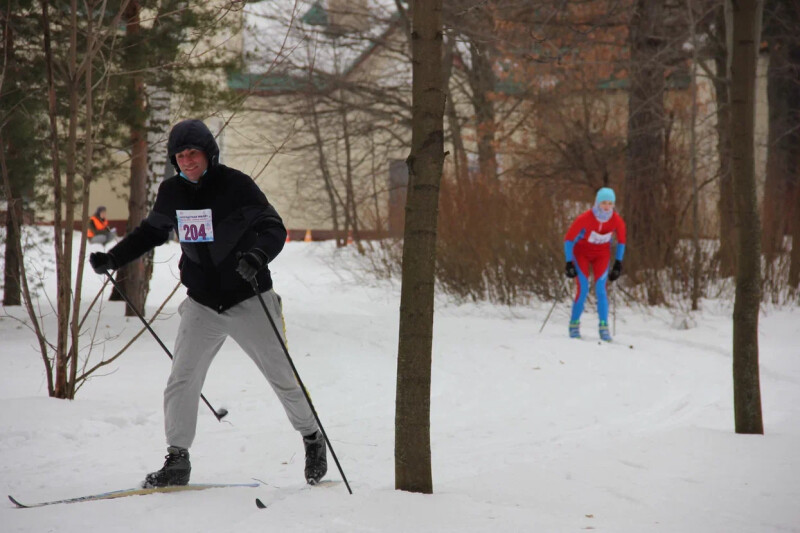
(592, 237)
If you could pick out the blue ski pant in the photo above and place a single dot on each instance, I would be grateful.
(598, 266)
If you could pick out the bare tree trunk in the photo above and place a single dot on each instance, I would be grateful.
(744, 36)
(377, 186)
(11, 269)
(781, 22)
(56, 169)
(459, 152)
(725, 207)
(64, 248)
(132, 277)
(412, 415)
(644, 179)
(693, 147)
(322, 161)
(794, 265)
(780, 148)
(88, 132)
(351, 211)
(482, 82)
(26, 293)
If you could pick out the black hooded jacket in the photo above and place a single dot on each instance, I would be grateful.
(242, 219)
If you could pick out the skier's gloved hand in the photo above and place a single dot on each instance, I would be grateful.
(616, 271)
(570, 270)
(251, 262)
(102, 262)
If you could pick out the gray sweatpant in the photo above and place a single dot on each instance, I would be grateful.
(200, 336)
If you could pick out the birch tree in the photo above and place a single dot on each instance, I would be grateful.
(166, 54)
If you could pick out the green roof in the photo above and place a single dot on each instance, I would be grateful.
(675, 80)
(315, 16)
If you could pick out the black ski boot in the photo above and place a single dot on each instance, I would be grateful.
(316, 458)
(175, 471)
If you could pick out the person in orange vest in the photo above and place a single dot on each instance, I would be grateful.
(99, 231)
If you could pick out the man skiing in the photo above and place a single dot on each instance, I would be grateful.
(229, 232)
(588, 243)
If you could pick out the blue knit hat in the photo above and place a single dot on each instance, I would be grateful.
(606, 194)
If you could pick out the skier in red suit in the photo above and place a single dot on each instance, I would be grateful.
(588, 244)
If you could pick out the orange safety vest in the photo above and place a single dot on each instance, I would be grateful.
(96, 225)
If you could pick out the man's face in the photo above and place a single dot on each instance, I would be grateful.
(192, 163)
(606, 206)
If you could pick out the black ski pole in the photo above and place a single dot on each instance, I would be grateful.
(614, 311)
(254, 284)
(219, 414)
(555, 303)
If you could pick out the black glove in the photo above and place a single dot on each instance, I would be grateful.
(102, 262)
(251, 262)
(570, 270)
(616, 271)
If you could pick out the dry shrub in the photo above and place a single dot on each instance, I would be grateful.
(675, 281)
(775, 283)
(500, 241)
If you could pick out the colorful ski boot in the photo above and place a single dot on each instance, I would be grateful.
(604, 333)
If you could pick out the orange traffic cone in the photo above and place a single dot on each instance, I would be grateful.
(307, 238)
(288, 236)
(349, 237)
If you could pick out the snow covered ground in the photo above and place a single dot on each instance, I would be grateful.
(530, 431)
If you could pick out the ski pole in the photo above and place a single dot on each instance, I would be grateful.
(219, 414)
(254, 284)
(614, 311)
(555, 303)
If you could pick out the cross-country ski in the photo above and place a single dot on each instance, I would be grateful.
(282, 493)
(124, 493)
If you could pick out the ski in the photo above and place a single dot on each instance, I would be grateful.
(131, 492)
(324, 483)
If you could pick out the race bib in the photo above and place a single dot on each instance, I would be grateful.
(599, 238)
(194, 225)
